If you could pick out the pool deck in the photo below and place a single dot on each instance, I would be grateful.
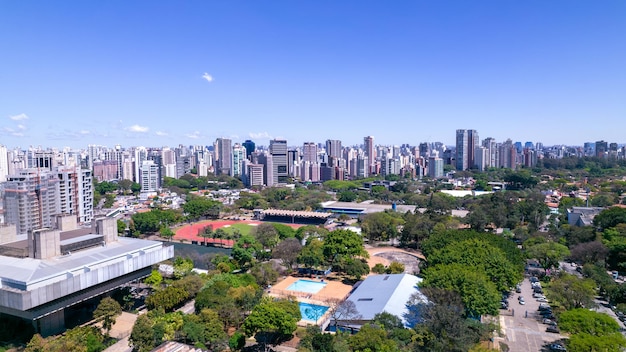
(333, 291)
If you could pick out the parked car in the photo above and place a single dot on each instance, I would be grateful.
(534, 279)
(556, 347)
(548, 316)
(548, 321)
(538, 295)
(518, 289)
(553, 329)
(521, 301)
(543, 306)
(504, 305)
(544, 300)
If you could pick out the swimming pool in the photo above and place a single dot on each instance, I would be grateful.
(307, 286)
(311, 312)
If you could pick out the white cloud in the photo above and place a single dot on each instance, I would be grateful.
(259, 135)
(138, 129)
(19, 117)
(21, 127)
(208, 77)
(84, 132)
(161, 133)
(193, 135)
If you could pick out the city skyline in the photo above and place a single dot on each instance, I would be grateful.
(167, 73)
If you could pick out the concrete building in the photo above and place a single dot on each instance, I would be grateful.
(253, 175)
(223, 156)
(31, 199)
(105, 170)
(51, 269)
(76, 193)
(278, 154)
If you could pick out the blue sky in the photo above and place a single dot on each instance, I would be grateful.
(157, 73)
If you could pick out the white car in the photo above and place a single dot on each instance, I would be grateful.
(542, 299)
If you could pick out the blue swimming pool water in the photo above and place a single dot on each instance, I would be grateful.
(307, 286)
(312, 312)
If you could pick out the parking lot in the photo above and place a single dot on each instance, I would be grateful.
(522, 323)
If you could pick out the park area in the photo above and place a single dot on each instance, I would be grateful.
(192, 232)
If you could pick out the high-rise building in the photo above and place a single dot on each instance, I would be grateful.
(370, 154)
(250, 148)
(150, 181)
(333, 150)
(76, 193)
(278, 153)
(254, 175)
(435, 167)
(492, 151)
(239, 155)
(31, 199)
(309, 152)
(141, 155)
(602, 149)
(223, 156)
(466, 142)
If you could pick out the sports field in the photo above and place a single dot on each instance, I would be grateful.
(190, 232)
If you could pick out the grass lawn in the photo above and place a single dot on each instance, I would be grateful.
(244, 229)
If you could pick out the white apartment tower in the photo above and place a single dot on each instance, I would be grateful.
(150, 181)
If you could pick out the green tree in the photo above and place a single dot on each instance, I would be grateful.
(610, 217)
(312, 254)
(182, 267)
(154, 279)
(201, 207)
(121, 227)
(481, 256)
(166, 232)
(549, 254)
(581, 320)
(167, 298)
(395, 268)
(106, 312)
(141, 336)
(572, 292)
(442, 325)
(479, 295)
(272, 321)
(341, 243)
(372, 337)
(381, 226)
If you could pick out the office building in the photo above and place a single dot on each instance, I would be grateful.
(223, 156)
(278, 154)
(250, 148)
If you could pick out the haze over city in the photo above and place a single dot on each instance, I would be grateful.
(166, 73)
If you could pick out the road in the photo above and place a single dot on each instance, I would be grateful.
(524, 330)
